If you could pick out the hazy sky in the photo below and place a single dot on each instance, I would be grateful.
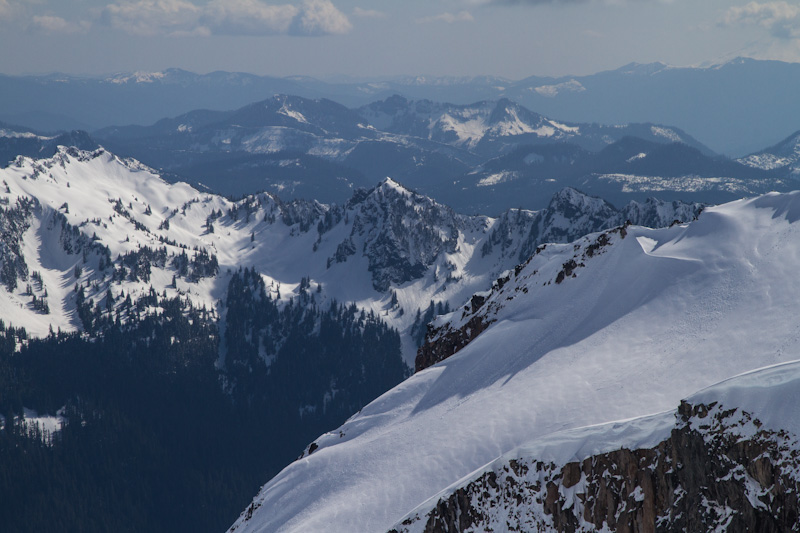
(512, 38)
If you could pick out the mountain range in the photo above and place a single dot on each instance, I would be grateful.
(385, 243)
(479, 158)
(687, 97)
(542, 339)
(127, 301)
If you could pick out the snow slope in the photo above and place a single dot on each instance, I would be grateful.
(383, 244)
(646, 318)
(125, 206)
(755, 406)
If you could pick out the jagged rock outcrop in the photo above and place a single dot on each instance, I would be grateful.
(14, 222)
(719, 470)
(401, 233)
(569, 216)
(444, 339)
(572, 214)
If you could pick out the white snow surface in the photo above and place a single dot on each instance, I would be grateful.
(768, 394)
(650, 319)
(551, 91)
(666, 133)
(84, 187)
(690, 183)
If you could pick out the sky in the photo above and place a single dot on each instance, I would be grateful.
(381, 38)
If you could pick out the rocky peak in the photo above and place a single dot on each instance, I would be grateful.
(400, 232)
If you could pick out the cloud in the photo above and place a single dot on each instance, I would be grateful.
(225, 17)
(449, 18)
(557, 2)
(8, 10)
(248, 17)
(525, 2)
(152, 17)
(320, 17)
(780, 19)
(369, 13)
(54, 24)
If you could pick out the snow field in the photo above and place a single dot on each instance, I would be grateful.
(637, 329)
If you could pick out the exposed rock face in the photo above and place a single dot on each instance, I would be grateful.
(445, 340)
(719, 470)
(450, 342)
(572, 214)
(14, 221)
(401, 233)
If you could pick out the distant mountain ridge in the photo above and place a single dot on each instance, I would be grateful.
(483, 157)
(783, 156)
(479, 127)
(687, 97)
(19, 141)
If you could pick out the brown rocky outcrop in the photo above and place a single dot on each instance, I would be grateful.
(448, 343)
(705, 477)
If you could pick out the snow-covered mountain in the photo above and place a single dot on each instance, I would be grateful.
(686, 97)
(485, 127)
(783, 156)
(327, 129)
(15, 141)
(85, 225)
(631, 168)
(618, 325)
(484, 157)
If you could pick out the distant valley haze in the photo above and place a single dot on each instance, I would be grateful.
(479, 48)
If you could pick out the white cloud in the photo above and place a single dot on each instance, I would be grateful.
(320, 17)
(225, 17)
(248, 17)
(781, 19)
(557, 2)
(8, 10)
(152, 17)
(54, 24)
(449, 18)
(369, 13)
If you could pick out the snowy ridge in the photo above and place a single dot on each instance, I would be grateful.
(631, 328)
(784, 155)
(463, 126)
(14, 134)
(753, 410)
(389, 250)
(488, 126)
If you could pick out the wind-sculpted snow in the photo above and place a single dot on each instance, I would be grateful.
(576, 339)
(728, 459)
